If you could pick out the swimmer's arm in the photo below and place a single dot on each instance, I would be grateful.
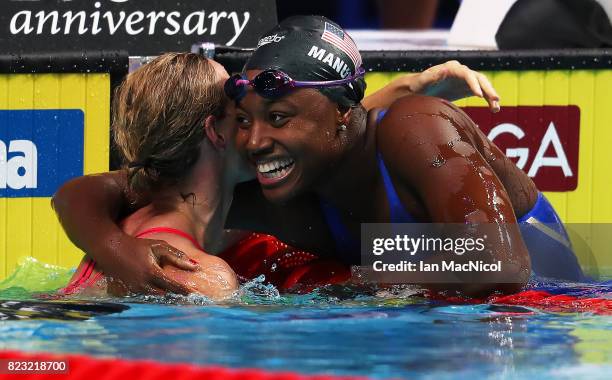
(455, 185)
(89, 208)
(91, 205)
(450, 81)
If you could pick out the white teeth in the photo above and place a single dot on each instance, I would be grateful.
(276, 168)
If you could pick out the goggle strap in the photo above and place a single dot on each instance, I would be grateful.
(360, 72)
(240, 82)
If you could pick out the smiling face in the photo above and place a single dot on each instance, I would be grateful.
(293, 142)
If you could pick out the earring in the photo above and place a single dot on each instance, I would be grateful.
(342, 127)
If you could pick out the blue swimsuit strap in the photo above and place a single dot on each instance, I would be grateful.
(397, 213)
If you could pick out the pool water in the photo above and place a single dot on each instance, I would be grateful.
(335, 330)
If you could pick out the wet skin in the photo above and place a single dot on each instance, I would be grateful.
(90, 207)
(443, 168)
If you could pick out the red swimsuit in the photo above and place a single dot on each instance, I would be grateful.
(283, 266)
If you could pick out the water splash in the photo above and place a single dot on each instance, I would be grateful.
(258, 292)
(438, 161)
(34, 280)
(32, 276)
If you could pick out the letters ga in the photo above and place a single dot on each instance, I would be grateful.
(551, 138)
(39, 151)
(544, 141)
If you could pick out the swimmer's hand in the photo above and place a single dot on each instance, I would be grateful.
(143, 260)
(452, 80)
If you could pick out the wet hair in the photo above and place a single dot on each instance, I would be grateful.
(158, 118)
(302, 47)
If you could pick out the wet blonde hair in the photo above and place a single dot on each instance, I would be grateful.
(158, 117)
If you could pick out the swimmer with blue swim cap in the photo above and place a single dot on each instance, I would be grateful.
(423, 160)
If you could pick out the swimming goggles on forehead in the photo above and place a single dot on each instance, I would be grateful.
(273, 84)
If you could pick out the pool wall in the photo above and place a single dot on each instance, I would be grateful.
(54, 125)
(556, 120)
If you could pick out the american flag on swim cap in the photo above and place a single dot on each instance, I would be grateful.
(342, 41)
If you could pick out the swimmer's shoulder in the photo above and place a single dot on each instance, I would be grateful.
(223, 274)
(411, 135)
(214, 278)
(417, 120)
(422, 105)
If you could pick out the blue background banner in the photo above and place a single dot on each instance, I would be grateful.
(57, 136)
